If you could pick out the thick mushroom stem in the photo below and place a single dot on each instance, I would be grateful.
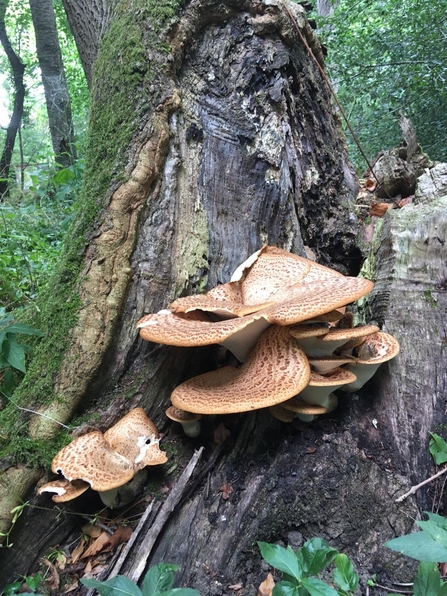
(363, 371)
(121, 496)
(331, 404)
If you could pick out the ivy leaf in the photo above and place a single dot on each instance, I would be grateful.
(427, 581)
(159, 578)
(283, 559)
(344, 575)
(315, 555)
(316, 587)
(14, 353)
(179, 592)
(438, 449)
(116, 586)
(22, 328)
(419, 546)
(285, 589)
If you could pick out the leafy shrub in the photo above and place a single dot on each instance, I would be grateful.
(12, 353)
(300, 567)
(158, 582)
(32, 228)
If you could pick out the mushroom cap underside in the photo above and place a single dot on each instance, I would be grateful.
(64, 490)
(305, 301)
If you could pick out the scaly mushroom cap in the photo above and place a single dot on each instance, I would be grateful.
(308, 300)
(280, 413)
(296, 405)
(64, 489)
(273, 270)
(178, 415)
(320, 386)
(275, 370)
(136, 437)
(377, 348)
(221, 308)
(334, 337)
(92, 459)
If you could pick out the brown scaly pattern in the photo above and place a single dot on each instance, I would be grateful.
(90, 458)
(276, 370)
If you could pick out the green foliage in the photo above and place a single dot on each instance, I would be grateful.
(31, 582)
(310, 560)
(12, 353)
(429, 545)
(428, 581)
(438, 449)
(158, 582)
(16, 513)
(387, 57)
(32, 227)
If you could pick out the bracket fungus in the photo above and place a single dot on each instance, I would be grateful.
(282, 316)
(106, 462)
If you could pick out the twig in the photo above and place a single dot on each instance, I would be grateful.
(396, 591)
(145, 548)
(413, 489)
(117, 567)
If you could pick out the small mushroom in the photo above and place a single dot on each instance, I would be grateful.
(333, 339)
(302, 410)
(280, 413)
(107, 462)
(189, 421)
(275, 370)
(64, 489)
(320, 386)
(328, 363)
(375, 350)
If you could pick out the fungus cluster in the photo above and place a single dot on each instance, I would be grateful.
(282, 316)
(106, 462)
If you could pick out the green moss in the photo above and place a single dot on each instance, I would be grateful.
(430, 298)
(123, 74)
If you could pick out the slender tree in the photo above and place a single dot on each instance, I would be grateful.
(54, 82)
(18, 69)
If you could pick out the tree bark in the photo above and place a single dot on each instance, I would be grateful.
(18, 69)
(54, 82)
(235, 142)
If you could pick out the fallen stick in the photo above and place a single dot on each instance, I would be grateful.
(136, 570)
(413, 489)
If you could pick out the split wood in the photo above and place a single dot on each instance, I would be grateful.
(152, 532)
(413, 489)
(136, 570)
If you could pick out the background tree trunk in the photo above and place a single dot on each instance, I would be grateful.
(18, 68)
(54, 82)
(235, 142)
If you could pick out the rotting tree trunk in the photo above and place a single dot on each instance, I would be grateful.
(54, 82)
(236, 143)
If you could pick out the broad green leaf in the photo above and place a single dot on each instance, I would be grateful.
(435, 531)
(8, 383)
(14, 353)
(315, 555)
(285, 589)
(281, 558)
(179, 592)
(22, 328)
(344, 575)
(427, 581)
(316, 587)
(438, 519)
(117, 586)
(12, 588)
(443, 589)
(63, 176)
(159, 578)
(419, 546)
(438, 449)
